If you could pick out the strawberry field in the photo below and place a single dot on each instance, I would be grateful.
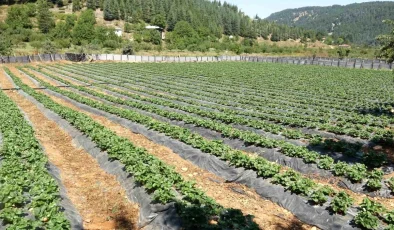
(315, 142)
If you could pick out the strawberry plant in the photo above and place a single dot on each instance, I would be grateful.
(341, 202)
(325, 162)
(389, 217)
(372, 206)
(374, 159)
(375, 180)
(390, 184)
(357, 172)
(367, 220)
(340, 168)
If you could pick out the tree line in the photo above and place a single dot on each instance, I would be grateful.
(194, 25)
(357, 23)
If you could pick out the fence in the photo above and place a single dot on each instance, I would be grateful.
(32, 58)
(347, 63)
(136, 58)
(114, 57)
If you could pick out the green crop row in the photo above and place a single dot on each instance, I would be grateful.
(296, 183)
(355, 172)
(260, 97)
(195, 208)
(340, 126)
(29, 196)
(289, 179)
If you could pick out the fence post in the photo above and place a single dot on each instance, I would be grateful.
(372, 64)
(354, 65)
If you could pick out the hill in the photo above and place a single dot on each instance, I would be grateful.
(359, 23)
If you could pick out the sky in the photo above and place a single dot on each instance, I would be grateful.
(266, 7)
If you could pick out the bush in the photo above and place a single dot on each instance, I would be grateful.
(48, 47)
(128, 49)
(111, 44)
(36, 44)
(127, 27)
(63, 43)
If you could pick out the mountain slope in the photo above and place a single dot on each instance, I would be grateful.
(359, 23)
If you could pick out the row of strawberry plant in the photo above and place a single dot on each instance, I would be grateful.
(153, 174)
(355, 173)
(226, 115)
(304, 83)
(351, 117)
(289, 179)
(317, 140)
(191, 87)
(29, 195)
(381, 135)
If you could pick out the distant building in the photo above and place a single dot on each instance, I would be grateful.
(346, 46)
(161, 30)
(118, 31)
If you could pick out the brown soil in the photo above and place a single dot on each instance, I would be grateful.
(98, 196)
(229, 195)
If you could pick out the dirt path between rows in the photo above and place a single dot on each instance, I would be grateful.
(267, 214)
(97, 195)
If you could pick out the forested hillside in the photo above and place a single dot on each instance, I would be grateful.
(359, 23)
(194, 25)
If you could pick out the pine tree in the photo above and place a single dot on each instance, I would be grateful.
(147, 10)
(137, 11)
(111, 8)
(44, 17)
(122, 10)
(83, 31)
(91, 4)
(116, 9)
(172, 19)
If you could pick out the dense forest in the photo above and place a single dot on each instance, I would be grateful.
(195, 25)
(358, 23)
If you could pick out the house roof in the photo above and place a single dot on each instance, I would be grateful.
(152, 27)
